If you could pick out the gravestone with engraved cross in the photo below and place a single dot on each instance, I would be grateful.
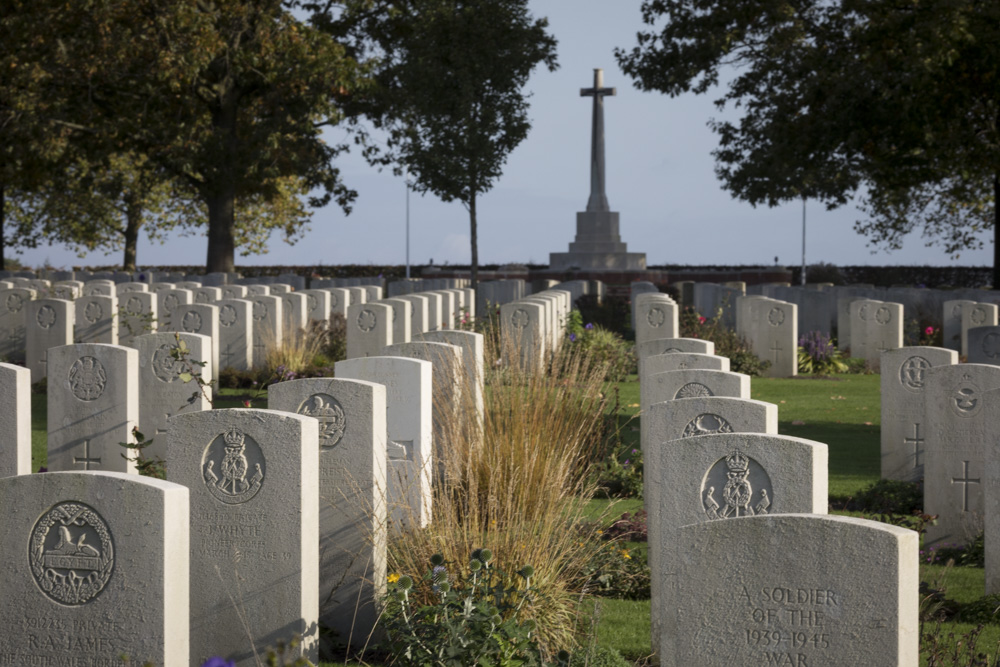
(957, 436)
(48, 323)
(235, 334)
(85, 556)
(676, 420)
(654, 347)
(727, 476)
(168, 364)
(352, 503)
(409, 426)
(254, 579)
(93, 405)
(904, 422)
(267, 313)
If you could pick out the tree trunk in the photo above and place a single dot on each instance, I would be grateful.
(220, 191)
(133, 222)
(474, 236)
(996, 231)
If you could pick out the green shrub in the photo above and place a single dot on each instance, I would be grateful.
(605, 347)
(475, 617)
(616, 571)
(727, 342)
(984, 610)
(819, 356)
(888, 496)
(599, 656)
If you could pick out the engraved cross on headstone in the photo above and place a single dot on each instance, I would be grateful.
(965, 481)
(87, 459)
(776, 349)
(598, 199)
(228, 355)
(916, 441)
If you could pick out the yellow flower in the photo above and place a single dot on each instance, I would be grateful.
(625, 554)
(393, 578)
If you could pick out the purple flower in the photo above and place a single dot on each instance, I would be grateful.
(626, 462)
(590, 325)
(218, 662)
(572, 337)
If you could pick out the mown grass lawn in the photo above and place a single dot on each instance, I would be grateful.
(842, 412)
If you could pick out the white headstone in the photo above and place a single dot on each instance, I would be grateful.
(254, 579)
(93, 405)
(727, 476)
(795, 589)
(958, 435)
(976, 315)
(15, 420)
(163, 392)
(904, 420)
(369, 329)
(268, 314)
(48, 323)
(202, 319)
(352, 476)
(13, 310)
(98, 566)
(138, 315)
(235, 334)
(410, 431)
(96, 319)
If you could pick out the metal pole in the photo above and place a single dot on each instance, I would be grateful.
(407, 225)
(803, 241)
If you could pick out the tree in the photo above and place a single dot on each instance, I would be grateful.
(104, 207)
(451, 89)
(228, 97)
(896, 100)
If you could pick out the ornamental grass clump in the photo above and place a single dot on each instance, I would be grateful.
(517, 479)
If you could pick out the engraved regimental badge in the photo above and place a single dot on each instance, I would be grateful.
(332, 420)
(736, 486)
(233, 467)
(71, 553)
(87, 378)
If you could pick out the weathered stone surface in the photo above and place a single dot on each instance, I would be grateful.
(725, 476)
(904, 420)
(93, 405)
(795, 589)
(163, 391)
(48, 323)
(976, 315)
(235, 334)
(682, 361)
(252, 577)
(410, 431)
(96, 319)
(958, 434)
(15, 420)
(369, 329)
(268, 314)
(984, 345)
(98, 566)
(202, 319)
(352, 495)
(137, 315)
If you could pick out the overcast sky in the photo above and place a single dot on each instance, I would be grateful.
(660, 178)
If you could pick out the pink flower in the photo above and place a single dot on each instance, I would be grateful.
(701, 319)
(929, 331)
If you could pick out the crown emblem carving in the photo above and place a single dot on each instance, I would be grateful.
(737, 462)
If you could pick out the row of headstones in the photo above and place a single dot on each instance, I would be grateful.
(217, 279)
(938, 425)
(532, 328)
(760, 589)
(373, 437)
(824, 307)
(240, 319)
(375, 324)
